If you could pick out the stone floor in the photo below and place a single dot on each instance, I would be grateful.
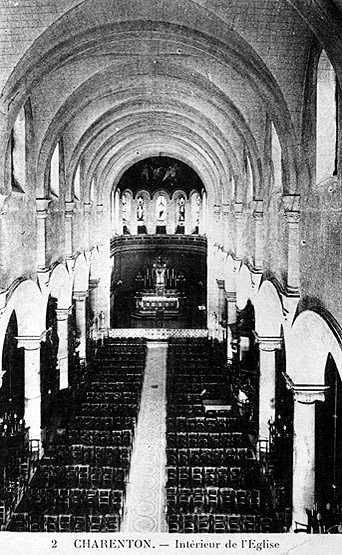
(145, 501)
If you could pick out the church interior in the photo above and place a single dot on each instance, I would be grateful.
(170, 261)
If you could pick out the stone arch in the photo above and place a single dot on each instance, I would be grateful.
(53, 48)
(269, 316)
(95, 264)
(311, 339)
(230, 274)
(244, 288)
(26, 301)
(81, 274)
(60, 286)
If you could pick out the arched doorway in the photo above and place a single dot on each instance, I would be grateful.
(12, 397)
(328, 446)
(48, 362)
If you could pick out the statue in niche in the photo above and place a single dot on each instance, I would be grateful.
(124, 208)
(145, 174)
(160, 269)
(140, 209)
(161, 208)
(171, 173)
(181, 209)
(198, 206)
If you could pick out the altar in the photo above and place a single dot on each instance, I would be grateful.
(159, 302)
(154, 302)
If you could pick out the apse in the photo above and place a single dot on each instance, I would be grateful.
(158, 249)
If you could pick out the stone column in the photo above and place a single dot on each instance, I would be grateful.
(231, 319)
(239, 229)
(203, 215)
(62, 355)
(32, 415)
(221, 309)
(258, 216)
(42, 207)
(99, 217)
(117, 223)
(267, 363)
(81, 329)
(69, 214)
(292, 216)
(225, 226)
(94, 305)
(87, 217)
(303, 484)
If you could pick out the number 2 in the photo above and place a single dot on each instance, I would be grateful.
(54, 543)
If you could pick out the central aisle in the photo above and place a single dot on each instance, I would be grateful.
(145, 500)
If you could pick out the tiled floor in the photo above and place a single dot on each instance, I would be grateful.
(145, 511)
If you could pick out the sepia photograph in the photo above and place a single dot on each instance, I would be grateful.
(170, 265)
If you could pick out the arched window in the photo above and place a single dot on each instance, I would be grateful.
(77, 183)
(276, 161)
(326, 119)
(92, 190)
(250, 180)
(54, 172)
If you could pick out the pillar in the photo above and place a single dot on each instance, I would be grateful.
(231, 320)
(87, 217)
(267, 363)
(116, 218)
(239, 229)
(303, 484)
(292, 216)
(94, 305)
(42, 206)
(225, 226)
(32, 415)
(258, 216)
(62, 355)
(81, 326)
(203, 215)
(99, 222)
(221, 309)
(69, 214)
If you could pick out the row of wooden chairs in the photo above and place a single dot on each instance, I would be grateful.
(23, 522)
(218, 523)
(213, 500)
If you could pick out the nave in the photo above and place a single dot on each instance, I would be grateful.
(151, 439)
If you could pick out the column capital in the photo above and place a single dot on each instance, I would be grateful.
(30, 342)
(80, 295)
(292, 216)
(225, 209)
(291, 208)
(258, 216)
(238, 208)
(63, 313)
(42, 207)
(93, 283)
(87, 208)
(69, 208)
(306, 394)
(220, 283)
(99, 209)
(269, 343)
(230, 296)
